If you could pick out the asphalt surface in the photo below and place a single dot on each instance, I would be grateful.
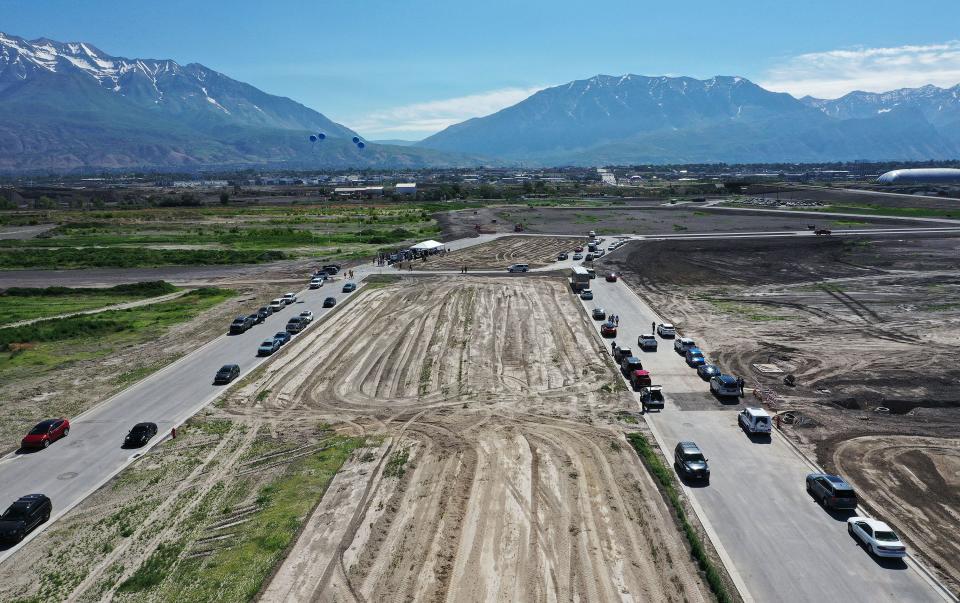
(74, 467)
(779, 544)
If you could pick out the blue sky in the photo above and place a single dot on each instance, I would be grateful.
(407, 68)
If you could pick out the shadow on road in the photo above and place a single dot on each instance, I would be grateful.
(891, 563)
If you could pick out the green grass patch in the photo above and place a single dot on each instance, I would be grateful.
(22, 303)
(396, 466)
(154, 570)
(679, 227)
(664, 478)
(129, 257)
(850, 223)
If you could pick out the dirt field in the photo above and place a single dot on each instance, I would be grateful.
(505, 479)
(499, 254)
(868, 328)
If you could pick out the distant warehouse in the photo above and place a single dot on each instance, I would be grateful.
(359, 192)
(405, 188)
(921, 176)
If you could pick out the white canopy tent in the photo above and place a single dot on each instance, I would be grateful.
(427, 246)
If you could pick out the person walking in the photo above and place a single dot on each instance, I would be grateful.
(653, 327)
(740, 384)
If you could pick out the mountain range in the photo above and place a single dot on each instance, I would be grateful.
(71, 106)
(634, 119)
(66, 106)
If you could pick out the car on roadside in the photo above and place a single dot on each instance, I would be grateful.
(577, 256)
(589, 257)
(608, 329)
(586, 294)
(139, 435)
(277, 304)
(240, 325)
(695, 357)
(690, 463)
(682, 344)
(578, 249)
(647, 342)
(226, 374)
(307, 315)
(265, 312)
(256, 318)
(295, 325)
(349, 287)
(629, 364)
(651, 398)
(708, 371)
(611, 277)
(268, 347)
(23, 516)
(518, 268)
(755, 421)
(331, 268)
(620, 353)
(282, 337)
(724, 386)
(45, 433)
(289, 298)
(666, 330)
(876, 536)
(640, 379)
(599, 314)
(562, 256)
(831, 491)
(316, 283)
(329, 302)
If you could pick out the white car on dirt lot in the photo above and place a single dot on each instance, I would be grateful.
(876, 537)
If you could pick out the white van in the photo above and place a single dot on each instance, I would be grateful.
(755, 420)
(519, 268)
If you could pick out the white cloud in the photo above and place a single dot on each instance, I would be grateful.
(423, 119)
(834, 73)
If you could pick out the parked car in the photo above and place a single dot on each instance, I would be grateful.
(708, 371)
(226, 374)
(268, 347)
(647, 342)
(331, 268)
(608, 329)
(295, 325)
(518, 268)
(690, 462)
(599, 314)
(307, 315)
(139, 435)
(589, 257)
(630, 364)
(277, 304)
(724, 385)
(316, 283)
(754, 420)
(665, 330)
(578, 256)
(586, 294)
(45, 433)
(23, 516)
(651, 398)
(265, 312)
(349, 287)
(289, 298)
(329, 302)
(620, 353)
(640, 378)
(241, 324)
(831, 491)
(876, 537)
(611, 277)
(695, 357)
(682, 344)
(256, 318)
(563, 256)
(282, 337)
(578, 249)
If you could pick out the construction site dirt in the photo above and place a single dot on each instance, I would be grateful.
(501, 253)
(505, 478)
(865, 328)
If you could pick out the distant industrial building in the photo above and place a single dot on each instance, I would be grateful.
(921, 176)
(359, 192)
(405, 188)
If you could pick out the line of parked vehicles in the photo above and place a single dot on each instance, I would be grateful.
(830, 491)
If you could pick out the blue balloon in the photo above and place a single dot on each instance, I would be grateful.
(313, 138)
(321, 135)
(360, 145)
(356, 140)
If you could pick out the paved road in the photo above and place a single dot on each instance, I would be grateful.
(782, 545)
(74, 467)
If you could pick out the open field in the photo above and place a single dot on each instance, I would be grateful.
(501, 253)
(19, 304)
(862, 325)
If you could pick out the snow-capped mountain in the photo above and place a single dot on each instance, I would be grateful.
(72, 105)
(639, 119)
(938, 105)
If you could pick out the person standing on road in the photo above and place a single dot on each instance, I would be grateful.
(653, 327)
(740, 384)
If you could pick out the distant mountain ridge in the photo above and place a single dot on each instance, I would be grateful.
(639, 119)
(70, 105)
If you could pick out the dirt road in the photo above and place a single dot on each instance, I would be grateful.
(499, 254)
(504, 479)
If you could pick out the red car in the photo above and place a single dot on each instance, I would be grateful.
(612, 277)
(45, 433)
(608, 329)
(578, 248)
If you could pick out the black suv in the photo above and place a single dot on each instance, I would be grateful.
(226, 374)
(690, 462)
(240, 325)
(264, 312)
(140, 435)
(329, 302)
(26, 513)
(331, 268)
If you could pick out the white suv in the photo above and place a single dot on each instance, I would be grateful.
(665, 329)
(289, 298)
(683, 344)
(754, 420)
